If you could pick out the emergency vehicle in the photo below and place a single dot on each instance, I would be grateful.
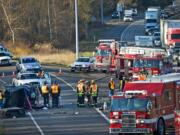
(133, 59)
(177, 122)
(104, 58)
(146, 106)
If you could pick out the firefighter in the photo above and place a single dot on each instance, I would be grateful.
(111, 86)
(40, 74)
(88, 94)
(141, 77)
(45, 94)
(80, 93)
(1, 99)
(122, 83)
(94, 92)
(55, 93)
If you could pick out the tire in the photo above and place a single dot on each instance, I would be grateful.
(88, 70)
(160, 127)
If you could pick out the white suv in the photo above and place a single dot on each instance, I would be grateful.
(83, 63)
(26, 64)
(128, 18)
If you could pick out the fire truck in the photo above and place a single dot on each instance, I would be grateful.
(104, 54)
(133, 59)
(177, 122)
(146, 106)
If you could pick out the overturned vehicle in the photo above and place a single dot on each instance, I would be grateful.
(17, 99)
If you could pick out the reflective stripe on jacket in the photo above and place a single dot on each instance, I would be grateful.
(1, 97)
(55, 89)
(112, 85)
(94, 90)
(80, 89)
(44, 89)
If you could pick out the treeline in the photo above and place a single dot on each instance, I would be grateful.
(33, 21)
(143, 4)
(38, 21)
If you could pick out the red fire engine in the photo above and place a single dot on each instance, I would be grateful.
(132, 59)
(177, 122)
(105, 55)
(146, 106)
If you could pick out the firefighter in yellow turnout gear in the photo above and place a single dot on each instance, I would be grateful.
(55, 93)
(111, 86)
(80, 93)
(45, 94)
(94, 92)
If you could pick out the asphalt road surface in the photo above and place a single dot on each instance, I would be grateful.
(68, 120)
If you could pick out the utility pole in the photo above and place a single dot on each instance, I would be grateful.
(76, 26)
(102, 12)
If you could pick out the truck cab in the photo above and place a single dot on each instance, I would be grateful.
(146, 106)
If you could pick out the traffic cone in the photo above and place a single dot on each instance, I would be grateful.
(3, 74)
(60, 71)
(105, 106)
(13, 74)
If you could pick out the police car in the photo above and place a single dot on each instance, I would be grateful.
(26, 64)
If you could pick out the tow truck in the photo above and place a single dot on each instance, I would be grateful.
(146, 106)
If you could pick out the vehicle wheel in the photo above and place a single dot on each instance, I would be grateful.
(104, 71)
(72, 70)
(89, 69)
(160, 127)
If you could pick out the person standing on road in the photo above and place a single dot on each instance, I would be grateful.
(80, 93)
(1, 99)
(122, 83)
(55, 92)
(94, 92)
(88, 94)
(45, 94)
(111, 86)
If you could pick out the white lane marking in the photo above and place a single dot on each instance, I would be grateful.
(63, 81)
(122, 35)
(100, 112)
(35, 123)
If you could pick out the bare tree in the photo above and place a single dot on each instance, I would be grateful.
(8, 21)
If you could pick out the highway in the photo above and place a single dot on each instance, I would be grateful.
(69, 120)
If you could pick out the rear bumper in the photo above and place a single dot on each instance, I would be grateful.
(130, 130)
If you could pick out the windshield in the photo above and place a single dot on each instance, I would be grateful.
(83, 60)
(28, 60)
(103, 52)
(129, 104)
(29, 76)
(146, 63)
(3, 54)
(151, 21)
(175, 36)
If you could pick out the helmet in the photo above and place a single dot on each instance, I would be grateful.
(112, 79)
(92, 81)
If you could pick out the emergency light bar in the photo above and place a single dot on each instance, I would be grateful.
(106, 40)
(131, 93)
(136, 92)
